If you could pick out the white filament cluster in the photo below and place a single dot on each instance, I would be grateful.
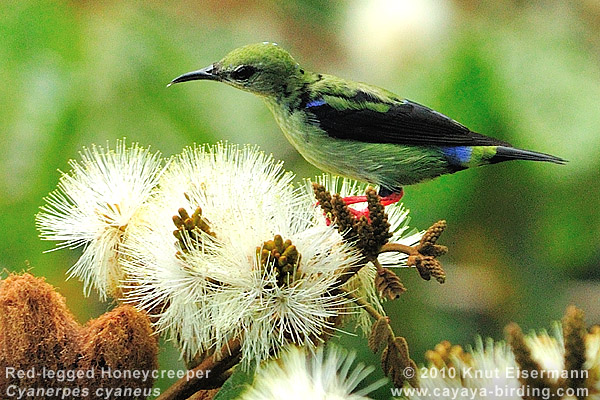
(94, 205)
(324, 375)
(119, 205)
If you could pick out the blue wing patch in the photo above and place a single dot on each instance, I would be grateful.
(315, 103)
(458, 155)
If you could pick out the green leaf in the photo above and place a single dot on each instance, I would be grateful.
(236, 384)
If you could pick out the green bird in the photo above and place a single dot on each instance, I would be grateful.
(357, 130)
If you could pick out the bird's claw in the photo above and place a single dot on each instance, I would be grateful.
(359, 213)
(392, 198)
(354, 199)
(388, 199)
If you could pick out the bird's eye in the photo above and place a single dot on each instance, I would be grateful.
(242, 72)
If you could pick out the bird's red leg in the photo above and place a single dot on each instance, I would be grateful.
(391, 198)
(359, 213)
(354, 199)
(387, 197)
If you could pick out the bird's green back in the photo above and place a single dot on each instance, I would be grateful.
(355, 129)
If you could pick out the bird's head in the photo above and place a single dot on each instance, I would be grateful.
(264, 69)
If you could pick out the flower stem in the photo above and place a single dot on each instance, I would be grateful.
(361, 302)
(186, 386)
(402, 248)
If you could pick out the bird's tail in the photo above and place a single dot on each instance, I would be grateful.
(505, 153)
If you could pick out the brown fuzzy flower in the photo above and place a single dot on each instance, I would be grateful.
(45, 353)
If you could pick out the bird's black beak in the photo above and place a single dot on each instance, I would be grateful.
(207, 73)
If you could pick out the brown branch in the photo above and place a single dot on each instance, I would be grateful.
(378, 265)
(186, 387)
(350, 272)
(398, 247)
(208, 394)
(424, 255)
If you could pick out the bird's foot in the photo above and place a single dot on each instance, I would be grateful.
(354, 199)
(391, 198)
(387, 198)
(359, 213)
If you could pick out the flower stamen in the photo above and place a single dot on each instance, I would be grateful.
(282, 257)
(193, 226)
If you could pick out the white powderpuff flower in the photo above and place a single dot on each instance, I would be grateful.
(490, 370)
(94, 206)
(324, 375)
(173, 292)
(215, 287)
(270, 315)
(476, 377)
(548, 350)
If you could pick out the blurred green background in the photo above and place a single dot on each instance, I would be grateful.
(523, 237)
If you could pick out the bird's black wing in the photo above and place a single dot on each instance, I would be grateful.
(405, 122)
